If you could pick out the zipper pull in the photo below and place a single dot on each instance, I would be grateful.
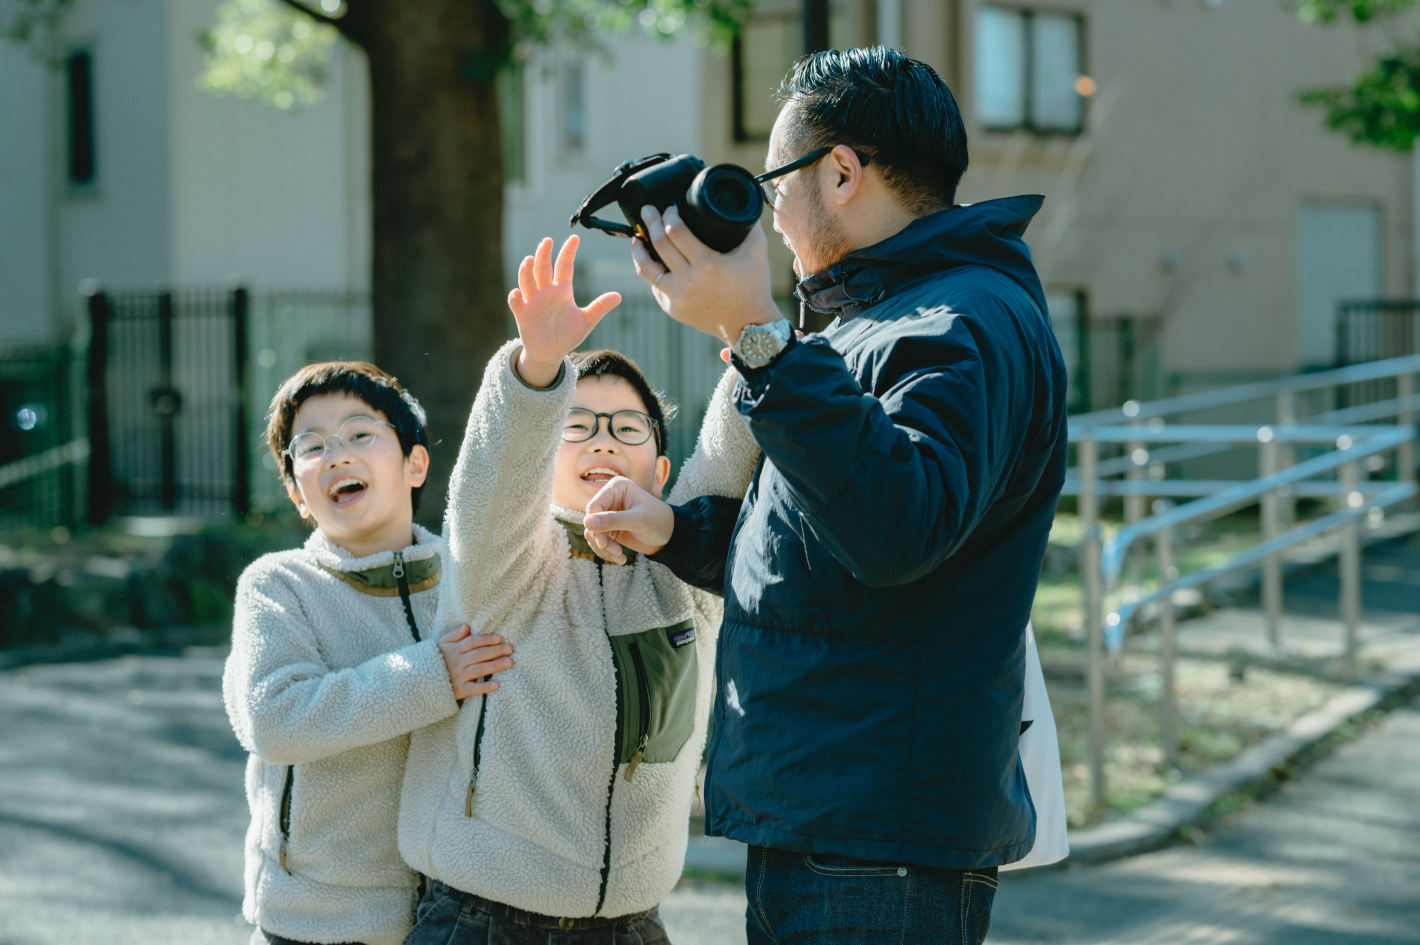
(468, 799)
(636, 758)
(398, 565)
(283, 858)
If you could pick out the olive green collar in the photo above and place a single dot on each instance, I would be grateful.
(380, 581)
(580, 547)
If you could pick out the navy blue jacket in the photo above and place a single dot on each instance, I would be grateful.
(878, 575)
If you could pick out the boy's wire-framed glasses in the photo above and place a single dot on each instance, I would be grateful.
(631, 427)
(818, 154)
(355, 435)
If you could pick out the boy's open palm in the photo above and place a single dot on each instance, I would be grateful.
(550, 323)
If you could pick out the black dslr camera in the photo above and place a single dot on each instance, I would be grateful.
(720, 204)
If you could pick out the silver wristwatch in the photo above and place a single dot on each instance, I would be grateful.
(760, 344)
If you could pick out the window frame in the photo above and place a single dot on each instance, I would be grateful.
(1028, 121)
(80, 122)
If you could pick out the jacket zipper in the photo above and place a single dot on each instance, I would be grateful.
(403, 582)
(404, 594)
(615, 755)
(477, 754)
(643, 694)
(286, 816)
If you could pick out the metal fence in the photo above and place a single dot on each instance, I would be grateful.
(1376, 329)
(42, 445)
(1359, 459)
(178, 383)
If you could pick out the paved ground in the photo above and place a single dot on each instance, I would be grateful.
(121, 817)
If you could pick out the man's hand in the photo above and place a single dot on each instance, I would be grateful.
(623, 515)
(470, 658)
(550, 323)
(717, 293)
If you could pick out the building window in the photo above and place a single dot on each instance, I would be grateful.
(79, 99)
(511, 85)
(762, 53)
(763, 50)
(573, 93)
(1067, 317)
(1029, 70)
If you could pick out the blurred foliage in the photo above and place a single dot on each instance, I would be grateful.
(265, 51)
(1362, 11)
(279, 51)
(1380, 107)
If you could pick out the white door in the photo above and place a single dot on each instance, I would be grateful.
(1338, 259)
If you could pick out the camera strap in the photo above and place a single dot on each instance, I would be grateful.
(607, 192)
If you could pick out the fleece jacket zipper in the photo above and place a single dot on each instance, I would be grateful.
(615, 752)
(643, 694)
(286, 816)
(403, 583)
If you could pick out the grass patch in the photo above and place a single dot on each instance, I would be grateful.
(1219, 716)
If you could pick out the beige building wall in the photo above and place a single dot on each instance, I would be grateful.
(1180, 198)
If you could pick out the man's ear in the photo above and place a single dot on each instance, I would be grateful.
(417, 464)
(659, 476)
(849, 173)
(293, 492)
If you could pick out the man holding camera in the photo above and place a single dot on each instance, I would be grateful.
(879, 573)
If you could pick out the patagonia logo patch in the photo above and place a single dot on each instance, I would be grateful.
(681, 635)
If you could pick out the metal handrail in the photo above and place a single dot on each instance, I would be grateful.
(75, 451)
(1257, 554)
(1133, 411)
(1151, 444)
(1241, 494)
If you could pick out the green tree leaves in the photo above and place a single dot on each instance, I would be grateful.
(1381, 107)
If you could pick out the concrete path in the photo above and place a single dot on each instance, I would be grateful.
(121, 818)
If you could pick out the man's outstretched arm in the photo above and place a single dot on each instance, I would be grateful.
(693, 539)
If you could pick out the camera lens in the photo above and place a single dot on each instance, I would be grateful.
(722, 204)
(730, 195)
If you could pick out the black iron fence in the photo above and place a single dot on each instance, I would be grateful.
(1371, 330)
(1109, 359)
(163, 413)
(1376, 329)
(42, 445)
(177, 387)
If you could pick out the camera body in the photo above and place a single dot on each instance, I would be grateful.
(719, 203)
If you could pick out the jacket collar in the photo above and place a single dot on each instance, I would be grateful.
(571, 522)
(375, 573)
(982, 234)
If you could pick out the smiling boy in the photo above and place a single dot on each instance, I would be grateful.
(557, 811)
(330, 667)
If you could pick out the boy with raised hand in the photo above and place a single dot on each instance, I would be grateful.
(332, 664)
(557, 811)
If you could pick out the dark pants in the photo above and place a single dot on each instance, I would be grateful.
(798, 898)
(448, 916)
(264, 937)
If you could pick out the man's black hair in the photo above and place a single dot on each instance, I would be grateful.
(895, 110)
(605, 362)
(361, 380)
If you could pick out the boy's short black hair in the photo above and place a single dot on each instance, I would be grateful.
(893, 109)
(359, 379)
(604, 362)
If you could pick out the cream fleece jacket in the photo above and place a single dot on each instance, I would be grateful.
(558, 824)
(325, 682)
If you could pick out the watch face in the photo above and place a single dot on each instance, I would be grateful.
(759, 344)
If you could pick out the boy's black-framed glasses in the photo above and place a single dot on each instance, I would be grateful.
(355, 434)
(631, 427)
(812, 157)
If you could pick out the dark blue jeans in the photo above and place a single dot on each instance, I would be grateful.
(798, 898)
(449, 916)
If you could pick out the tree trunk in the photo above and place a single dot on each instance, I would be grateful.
(437, 277)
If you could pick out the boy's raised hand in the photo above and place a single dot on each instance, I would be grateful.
(550, 323)
(471, 658)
